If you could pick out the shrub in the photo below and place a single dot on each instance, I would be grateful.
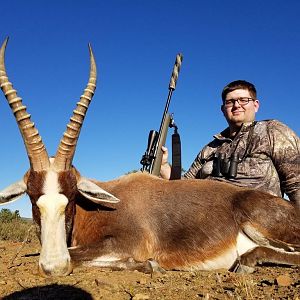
(7, 216)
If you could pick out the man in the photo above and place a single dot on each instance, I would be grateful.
(262, 155)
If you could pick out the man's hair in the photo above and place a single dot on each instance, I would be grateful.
(239, 84)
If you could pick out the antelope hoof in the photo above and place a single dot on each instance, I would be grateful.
(243, 269)
(154, 267)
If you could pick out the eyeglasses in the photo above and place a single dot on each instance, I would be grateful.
(241, 101)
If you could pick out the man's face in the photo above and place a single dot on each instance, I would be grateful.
(237, 113)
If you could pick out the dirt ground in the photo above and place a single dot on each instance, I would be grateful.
(19, 279)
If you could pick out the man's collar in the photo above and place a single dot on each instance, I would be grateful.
(225, 134)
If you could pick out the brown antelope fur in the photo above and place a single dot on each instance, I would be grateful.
(140, 221)
(158, 219)
(179, 223)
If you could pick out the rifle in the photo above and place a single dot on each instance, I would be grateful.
(151, 160)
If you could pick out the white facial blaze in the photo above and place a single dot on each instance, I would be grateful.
(51, 185)
(54, 254)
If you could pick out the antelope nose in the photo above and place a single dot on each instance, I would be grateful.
(56, 270)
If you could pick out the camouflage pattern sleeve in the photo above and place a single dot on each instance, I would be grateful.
(285, 154)
(194, 168)
(203, 156)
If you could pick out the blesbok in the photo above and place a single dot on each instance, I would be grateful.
(140, 221)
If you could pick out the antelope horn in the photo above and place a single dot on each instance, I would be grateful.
(67, 146)
(36, 151)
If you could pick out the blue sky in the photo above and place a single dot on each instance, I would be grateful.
(135, 44)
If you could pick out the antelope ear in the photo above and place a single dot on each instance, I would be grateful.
(94, 193)
(13, 192)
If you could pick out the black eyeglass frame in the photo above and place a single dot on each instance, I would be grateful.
(231, 102)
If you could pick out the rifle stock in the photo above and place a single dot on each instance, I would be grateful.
(151, 160)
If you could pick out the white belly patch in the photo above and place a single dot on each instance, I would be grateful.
(227, 258)
(223, 261)
(244, 244)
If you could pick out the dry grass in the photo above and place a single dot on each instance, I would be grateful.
(245, 287)
(16, 230)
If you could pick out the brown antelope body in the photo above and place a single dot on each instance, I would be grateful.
(137, 220)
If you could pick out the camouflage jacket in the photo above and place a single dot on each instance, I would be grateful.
(269, 158)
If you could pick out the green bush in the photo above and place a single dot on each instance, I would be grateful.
(7, 216)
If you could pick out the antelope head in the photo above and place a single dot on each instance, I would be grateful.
(52, 183)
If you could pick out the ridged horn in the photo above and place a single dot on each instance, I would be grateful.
(36, 151)
(67, 146)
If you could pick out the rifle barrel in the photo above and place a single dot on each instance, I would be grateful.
(151, 161)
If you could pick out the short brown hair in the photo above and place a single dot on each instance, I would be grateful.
(239, 84)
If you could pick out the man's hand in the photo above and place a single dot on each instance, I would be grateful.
(165, 169)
